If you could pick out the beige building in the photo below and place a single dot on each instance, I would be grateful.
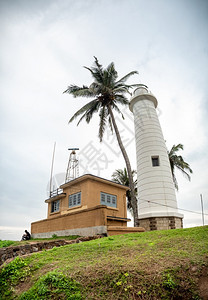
(85, 206)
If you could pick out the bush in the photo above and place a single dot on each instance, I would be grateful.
(11, 274)
(53, 285)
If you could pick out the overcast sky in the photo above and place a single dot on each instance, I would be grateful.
(44, 46)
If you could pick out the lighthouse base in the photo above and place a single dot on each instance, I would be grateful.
(161, 223)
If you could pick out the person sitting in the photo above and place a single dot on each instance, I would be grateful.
(26, 236)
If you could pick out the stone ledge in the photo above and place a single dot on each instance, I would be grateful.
(9, 253)
(114, 230)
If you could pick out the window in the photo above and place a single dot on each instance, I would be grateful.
(107, 199)
(75, 199)
(114, 200)
(55, 206)
(155, 161)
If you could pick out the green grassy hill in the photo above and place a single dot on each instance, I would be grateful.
(169, 264)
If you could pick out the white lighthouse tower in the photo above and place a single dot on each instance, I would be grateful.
(157, 202)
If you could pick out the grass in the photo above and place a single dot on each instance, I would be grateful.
(149, 265)
(53, 285)
(7, 243)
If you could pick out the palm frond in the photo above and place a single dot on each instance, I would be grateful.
(124, 78)
(89, 113)
(103, 117)
(93, 109)
(77, 91)
(82, 117)
(112, 74)
(110, 124)
(121, 89)
(177, 161)
(121, 176)
(96, 71)
(83, 110)
(118, 110)
(184, 173)
(99, 66)
(121, 99)
(97, 76)
(175, 149)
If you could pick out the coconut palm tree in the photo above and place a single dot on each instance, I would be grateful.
(121, 176)
(177, 161)
(107, 93)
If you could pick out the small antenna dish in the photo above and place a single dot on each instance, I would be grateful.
(72, 171)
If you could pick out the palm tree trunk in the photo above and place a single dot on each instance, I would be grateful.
(128, 166)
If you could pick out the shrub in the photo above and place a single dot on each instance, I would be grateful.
(53, 285)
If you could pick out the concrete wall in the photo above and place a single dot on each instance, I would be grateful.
(86, 231)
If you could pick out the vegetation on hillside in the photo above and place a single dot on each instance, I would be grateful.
(151, 265)
(7, 243)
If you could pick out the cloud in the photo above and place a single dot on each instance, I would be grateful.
(44, 46)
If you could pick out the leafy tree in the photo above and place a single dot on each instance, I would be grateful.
(107, 93)
(177, 161)
(121, 176)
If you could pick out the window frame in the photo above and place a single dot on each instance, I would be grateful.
(155, 159)
(74, 199)
(108, 199)
(55, 206)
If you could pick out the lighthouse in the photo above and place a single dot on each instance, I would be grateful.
(157, 204)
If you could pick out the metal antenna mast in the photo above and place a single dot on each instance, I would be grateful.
(72, 171)
(50, 187)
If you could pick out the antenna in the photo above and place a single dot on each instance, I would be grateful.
(52, 169)
(72, 171)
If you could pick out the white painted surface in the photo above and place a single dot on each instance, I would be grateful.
(87, 231)
(156, 192)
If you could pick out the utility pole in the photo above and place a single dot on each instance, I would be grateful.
(202, 209)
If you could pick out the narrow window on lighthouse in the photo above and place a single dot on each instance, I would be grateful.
(155, 161)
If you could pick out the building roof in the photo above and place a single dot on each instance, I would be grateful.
(95, 178)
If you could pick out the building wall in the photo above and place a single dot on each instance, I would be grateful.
(86, 218)
(90, 217)
(90, 189)
(90, 221)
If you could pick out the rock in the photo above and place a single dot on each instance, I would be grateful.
(13, 251)
(35, 249)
